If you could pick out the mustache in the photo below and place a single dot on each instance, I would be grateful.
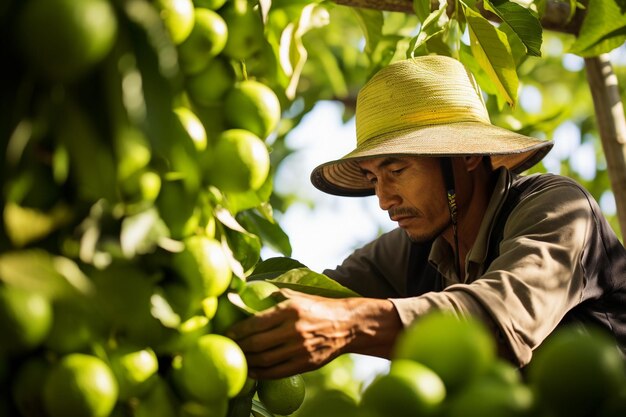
(402, 211)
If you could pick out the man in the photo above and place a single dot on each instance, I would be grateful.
(524, 254)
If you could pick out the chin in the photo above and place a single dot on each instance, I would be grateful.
(423, 236)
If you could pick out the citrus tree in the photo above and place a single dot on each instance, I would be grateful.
(139, 139)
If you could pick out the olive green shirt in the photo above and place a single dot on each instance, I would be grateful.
(536, 279)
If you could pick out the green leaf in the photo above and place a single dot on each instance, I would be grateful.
(273, 267)
(24, 225)
(371, 22)
(310, 282)
(491, 50)
(141, 232)
(259, 410)
(603, 29)
(421, 8)
(39, 271)
(522, 22)
(270, 232)
(430, 28)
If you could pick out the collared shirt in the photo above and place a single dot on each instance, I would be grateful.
(545, 268)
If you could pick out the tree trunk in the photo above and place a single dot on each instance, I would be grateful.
(611, 125)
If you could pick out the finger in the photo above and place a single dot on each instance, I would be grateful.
(284, 369)
(283, 352)
(268, 339)
(258, 323)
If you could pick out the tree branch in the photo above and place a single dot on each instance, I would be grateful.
(555, 17)
(611, 125)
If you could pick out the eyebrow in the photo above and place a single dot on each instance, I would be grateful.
(382, 164)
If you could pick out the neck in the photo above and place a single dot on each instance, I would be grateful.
(473, 195)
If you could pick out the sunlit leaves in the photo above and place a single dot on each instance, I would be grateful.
(522, 22)
(603, 29)
(492, 51)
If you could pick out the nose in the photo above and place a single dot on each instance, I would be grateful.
(387, 196)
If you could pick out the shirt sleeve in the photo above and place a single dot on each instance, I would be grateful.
(536, 279)
(378, 269)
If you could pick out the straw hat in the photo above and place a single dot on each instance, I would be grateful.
(424, 106)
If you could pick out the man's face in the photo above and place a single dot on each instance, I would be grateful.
(411, 190)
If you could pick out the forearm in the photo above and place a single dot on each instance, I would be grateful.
(375, 325)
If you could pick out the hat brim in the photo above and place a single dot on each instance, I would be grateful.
(512, 150)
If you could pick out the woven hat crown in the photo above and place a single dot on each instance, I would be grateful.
(415, 93)
(429, 106)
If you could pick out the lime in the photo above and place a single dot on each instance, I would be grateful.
(240, 162)
(409, 388)
(65, 38)
(206, 40)
(226, 315)
(245, 36)
(204, 266)
(80, 385)
(178, 18)
(74, 327)
(159, 401)
(572, 372)
(330, 403)
(209, 4)
(253, 106)
(211, 84)
(212, 369)
(485, 397)
(458, 351)
(178, 208)
(25, 319)
(27, 390)
(282, 396)
(258, 295)
(192, 127)
(196, 409)
(134, 369)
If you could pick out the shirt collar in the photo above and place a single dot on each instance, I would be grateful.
(441, 254)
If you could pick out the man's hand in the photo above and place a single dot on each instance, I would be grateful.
(305, 332)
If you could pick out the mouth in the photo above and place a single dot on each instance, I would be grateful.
(402, 220)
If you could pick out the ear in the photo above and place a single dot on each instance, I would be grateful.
(472, 162)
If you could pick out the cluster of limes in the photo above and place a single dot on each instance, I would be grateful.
(135, 122)
(442, 366)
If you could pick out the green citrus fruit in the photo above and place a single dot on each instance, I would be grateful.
(282, 396)
(212, 369)
(178, 18)
(206, 40)
(80, 385)
(196, 409)
(178, 208)
(65, 38)
(209, 4)
(409, 388)
(458, 351)
(159, 401)
(258, 295)
(74, 327)
(573, 372)
(253, 106)
(134, 369)
(27, 389)
(210, 85)
(485, 397)
(330, 403)
(204, 266)
(25, 319)
(192, 126)
(124, 301)
(245, 36)
(226, 315)
(240, 161)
